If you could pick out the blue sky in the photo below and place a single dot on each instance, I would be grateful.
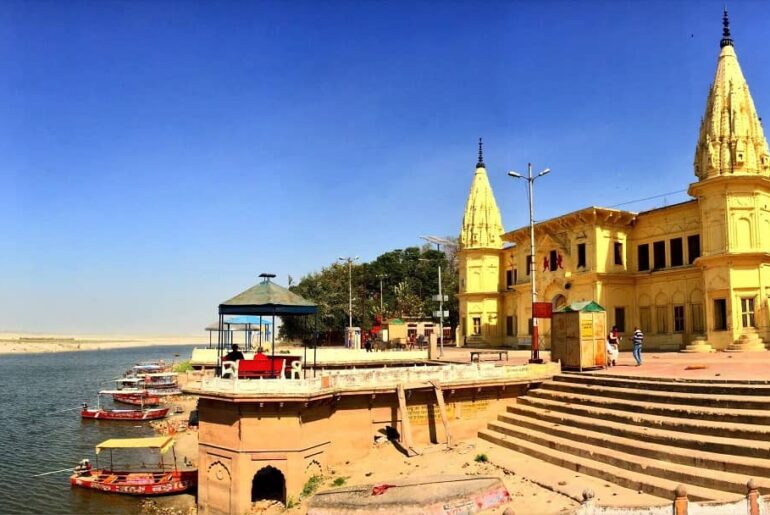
(155, 157)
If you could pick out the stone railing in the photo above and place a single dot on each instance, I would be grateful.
(322, 356)
(751, 504)
(381, 378)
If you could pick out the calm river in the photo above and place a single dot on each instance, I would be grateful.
(36, 436)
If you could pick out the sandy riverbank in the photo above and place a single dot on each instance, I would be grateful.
(30, 343)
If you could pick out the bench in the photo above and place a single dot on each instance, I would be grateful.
(476, 354)
(263, 366)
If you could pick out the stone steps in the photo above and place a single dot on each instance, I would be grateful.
(671, 422)
(688, 399)
(745, 416)
(620, 476)
(708, 387)
(674, 380)
(682, 451)
(649, 435)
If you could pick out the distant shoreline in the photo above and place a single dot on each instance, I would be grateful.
(20, 343)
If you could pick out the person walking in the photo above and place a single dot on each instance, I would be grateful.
(613, 346)
(637, 339)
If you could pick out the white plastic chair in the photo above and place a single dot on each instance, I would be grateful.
(296, 369)
(230, 368)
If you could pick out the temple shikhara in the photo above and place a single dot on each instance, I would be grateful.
(693, 276)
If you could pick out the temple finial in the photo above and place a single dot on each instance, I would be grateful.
(726, 39)
(480, 164)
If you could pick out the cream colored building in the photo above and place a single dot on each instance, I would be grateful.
(689, 275)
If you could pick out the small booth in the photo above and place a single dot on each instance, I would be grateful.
(353, 337)
(578, 336)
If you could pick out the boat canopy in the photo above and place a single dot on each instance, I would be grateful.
(162, 443)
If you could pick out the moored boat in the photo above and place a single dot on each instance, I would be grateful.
(142, 413)
(123, 414)
(165, 480)
(136, 397)
(154, 384)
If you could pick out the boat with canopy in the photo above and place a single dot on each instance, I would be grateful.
(154, 384)
(166, 479)
(141, 413)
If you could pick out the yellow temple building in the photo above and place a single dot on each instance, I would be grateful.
(693, 276)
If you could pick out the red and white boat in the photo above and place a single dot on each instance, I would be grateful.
(165, 480)
(135, 397)
(159, 384)
(121, 414)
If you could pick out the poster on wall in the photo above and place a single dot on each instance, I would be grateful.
(586, 328)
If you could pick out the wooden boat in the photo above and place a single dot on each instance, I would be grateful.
(123, 414)
(135, 397)
(163, 481)
(160, 380)
(155, 384)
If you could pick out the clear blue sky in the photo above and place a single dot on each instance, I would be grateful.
(155, 156)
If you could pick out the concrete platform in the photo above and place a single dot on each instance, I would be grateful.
(745, 366)
(423, 495)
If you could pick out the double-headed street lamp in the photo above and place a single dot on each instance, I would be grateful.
(350, 291)
(535, 358)
(438, 242)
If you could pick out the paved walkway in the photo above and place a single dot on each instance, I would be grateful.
(715, 365)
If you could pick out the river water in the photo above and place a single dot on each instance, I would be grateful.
(36, 436)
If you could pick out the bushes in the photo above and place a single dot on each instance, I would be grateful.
(183, 366)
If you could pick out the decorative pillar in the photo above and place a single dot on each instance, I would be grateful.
(680, 500)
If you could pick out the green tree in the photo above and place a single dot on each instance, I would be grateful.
(409, 281)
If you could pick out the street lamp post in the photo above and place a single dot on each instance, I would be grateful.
(381, 277)
(535, 357)
(350, 260)
(438, 242)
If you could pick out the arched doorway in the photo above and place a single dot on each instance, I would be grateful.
(268, 484)
(559, 301)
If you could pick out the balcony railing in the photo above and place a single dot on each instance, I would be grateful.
(381, 379)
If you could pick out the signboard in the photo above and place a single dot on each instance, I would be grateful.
(586, 328)
(437, 314)
(542, 309)
(437, 298)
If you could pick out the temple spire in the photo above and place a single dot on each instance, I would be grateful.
(480, 164)
(726, 39)
(731, 139)
(482, 225)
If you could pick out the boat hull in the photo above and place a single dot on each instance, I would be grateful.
(137, 483)
(136, 399)
(128, 414)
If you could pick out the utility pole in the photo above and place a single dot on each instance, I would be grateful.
(535, 357)
(350, 293)
(381, 277)
(438, 242)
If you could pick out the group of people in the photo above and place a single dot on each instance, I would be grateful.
(613, 346)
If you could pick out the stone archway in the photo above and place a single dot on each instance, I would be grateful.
(558, 301)
(268, 483)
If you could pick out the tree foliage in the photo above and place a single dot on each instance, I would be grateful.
(409, 281)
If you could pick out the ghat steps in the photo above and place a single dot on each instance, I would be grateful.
(646, 434)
